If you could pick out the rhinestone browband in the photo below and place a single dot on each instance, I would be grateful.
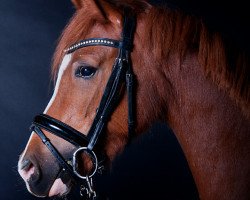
(94, 42)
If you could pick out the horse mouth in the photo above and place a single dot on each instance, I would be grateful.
(61, 186)
(59, 189)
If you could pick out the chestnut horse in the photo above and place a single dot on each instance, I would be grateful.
(186, 76)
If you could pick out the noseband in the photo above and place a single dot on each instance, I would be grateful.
(121, 74)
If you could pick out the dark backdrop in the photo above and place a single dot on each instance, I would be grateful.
(28, 34)
(153, 167)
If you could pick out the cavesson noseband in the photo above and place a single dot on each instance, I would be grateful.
(121, 74)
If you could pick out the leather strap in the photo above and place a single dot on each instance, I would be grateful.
(60, 129)
(108, 102)
(128, 37)
(130, 93)
(114, 86)
(66, 167)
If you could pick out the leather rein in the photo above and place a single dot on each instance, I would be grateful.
(121, 75)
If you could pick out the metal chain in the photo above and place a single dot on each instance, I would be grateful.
(88, 190)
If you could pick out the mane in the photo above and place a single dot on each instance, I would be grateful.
(225, 64)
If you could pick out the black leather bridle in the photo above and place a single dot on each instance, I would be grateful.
(121, 74)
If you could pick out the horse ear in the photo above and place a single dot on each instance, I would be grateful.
(98, 6)
(77, 3)
(110, 13)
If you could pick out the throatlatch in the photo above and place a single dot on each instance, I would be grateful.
(121, 74)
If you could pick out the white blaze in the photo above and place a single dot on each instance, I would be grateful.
(62, 68)
(64, 64)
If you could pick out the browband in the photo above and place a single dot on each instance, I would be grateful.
(99, 42)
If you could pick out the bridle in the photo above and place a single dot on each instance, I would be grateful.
(121, 74)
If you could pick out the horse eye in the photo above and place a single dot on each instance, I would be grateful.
(85, 72)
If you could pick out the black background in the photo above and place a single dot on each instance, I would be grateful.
(153, 167)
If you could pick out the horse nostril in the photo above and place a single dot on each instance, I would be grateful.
(26, 169)
(26, 165)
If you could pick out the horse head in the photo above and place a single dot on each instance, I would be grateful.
(82, 76)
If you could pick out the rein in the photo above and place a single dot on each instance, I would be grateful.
(121, 74)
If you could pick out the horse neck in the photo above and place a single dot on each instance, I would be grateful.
(212, 131)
